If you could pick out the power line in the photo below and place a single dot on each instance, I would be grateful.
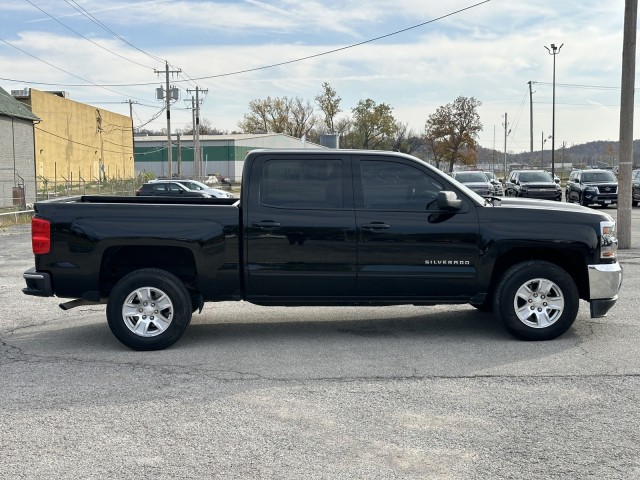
(288, 62)
(75, 5)
(66, 139)
(575, 85)
(86, 38)
(58, 68)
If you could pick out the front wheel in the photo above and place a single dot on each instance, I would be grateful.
(582, 201)
(149, 309)
(536, 300)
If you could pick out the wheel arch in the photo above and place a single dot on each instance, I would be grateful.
(119, 261)
(571, 261)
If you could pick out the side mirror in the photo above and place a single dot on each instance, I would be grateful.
(448, 201)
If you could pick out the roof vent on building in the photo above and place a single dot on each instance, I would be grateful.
(24, 93)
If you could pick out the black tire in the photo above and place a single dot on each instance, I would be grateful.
(536, 300)
(149, 309)
(582, 201)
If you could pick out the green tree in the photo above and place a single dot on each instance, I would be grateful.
(452, 131)
(373, 126)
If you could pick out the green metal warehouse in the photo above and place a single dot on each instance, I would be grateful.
(221, 154)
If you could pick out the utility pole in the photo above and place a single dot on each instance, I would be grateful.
(179, 157)
(553, 51)
(625, 165)
(506, 124)
(531, 116)
(193, 137)
(133, 137)
(168, 94)
(197, 158)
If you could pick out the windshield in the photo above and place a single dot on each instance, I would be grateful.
(490, 175)
(469, 177)
(194, 185)
(535, 177)
(598, 177)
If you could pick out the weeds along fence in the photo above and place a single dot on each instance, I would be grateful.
(53, 188)
(17, 217)
(16, 201)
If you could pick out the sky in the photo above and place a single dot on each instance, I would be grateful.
(414, 55)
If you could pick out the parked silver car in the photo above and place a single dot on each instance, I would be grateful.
(475, 180)
(197, 186)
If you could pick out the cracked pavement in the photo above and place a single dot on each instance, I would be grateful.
(267, 392)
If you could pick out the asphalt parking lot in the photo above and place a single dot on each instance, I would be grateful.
(256, 392)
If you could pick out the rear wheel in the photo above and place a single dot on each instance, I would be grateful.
(149, 309)
(536, 300)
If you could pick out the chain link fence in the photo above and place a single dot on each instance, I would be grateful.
(56, 188)
(16, 199)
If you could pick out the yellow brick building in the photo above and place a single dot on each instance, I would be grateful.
(75, 141)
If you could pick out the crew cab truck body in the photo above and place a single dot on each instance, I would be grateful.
(326, 227)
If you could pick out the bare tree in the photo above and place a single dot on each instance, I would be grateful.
(204, 127)
(293, 117)
(302, 117)
(329, 103)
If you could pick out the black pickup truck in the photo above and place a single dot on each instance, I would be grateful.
(326, 227)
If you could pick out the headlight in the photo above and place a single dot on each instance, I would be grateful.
(608, 240)
(590, 189)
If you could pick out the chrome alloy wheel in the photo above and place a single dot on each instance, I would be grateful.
(538, 303)
(147, 311)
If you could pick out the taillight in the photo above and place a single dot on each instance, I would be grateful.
(40, 236)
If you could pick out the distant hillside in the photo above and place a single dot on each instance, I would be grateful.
(600, 153)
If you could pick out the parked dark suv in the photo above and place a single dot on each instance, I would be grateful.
(635, 178)
(532, 184)
(589, 187)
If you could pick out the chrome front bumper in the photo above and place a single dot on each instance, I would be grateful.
(604, 284)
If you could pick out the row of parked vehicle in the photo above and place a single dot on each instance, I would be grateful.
(599, 187)
(586, 187)
(181, 188)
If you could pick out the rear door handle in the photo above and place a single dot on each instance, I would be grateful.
(266, 225)
(375, 226)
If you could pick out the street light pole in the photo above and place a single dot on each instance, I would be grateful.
(553, 51)
(542, 152)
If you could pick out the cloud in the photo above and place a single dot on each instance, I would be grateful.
(490, 52)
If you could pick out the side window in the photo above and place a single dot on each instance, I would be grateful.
(302, 184)
(396, 186)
